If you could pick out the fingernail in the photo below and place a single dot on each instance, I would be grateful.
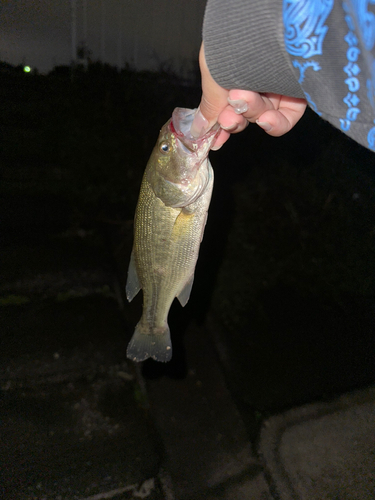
(230, 128)
(264, 125)
(200, 124)
(216, 148)
(239, 105)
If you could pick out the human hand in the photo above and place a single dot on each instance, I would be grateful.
(234, 109)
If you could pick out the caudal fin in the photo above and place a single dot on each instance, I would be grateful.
(150, 345)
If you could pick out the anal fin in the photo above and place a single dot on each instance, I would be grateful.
(184, 295)
(132, 283)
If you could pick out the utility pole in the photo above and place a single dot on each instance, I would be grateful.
(119, 40)
(73, 4)
(102, 37)
(84, 50)
(84, 6)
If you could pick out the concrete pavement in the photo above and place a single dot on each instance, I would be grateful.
(323, 451)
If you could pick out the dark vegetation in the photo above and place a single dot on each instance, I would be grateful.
(84, 136)
(295, 287)
(287, 264)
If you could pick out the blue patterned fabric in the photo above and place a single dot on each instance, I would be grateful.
(331, 45)
(304, 26)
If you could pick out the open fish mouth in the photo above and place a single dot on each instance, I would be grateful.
(180, 125)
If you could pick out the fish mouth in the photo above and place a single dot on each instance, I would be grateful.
(180, 124)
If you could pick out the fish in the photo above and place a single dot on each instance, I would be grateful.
(169, 223)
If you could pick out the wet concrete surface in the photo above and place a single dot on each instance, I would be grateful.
(73, 433)
(79, 421)
(74, 421)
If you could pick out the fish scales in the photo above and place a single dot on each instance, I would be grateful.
(169, 222)
(175, 238)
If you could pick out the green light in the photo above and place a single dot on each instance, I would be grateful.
(27, 69)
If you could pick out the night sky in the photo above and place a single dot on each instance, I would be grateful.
(145, 33)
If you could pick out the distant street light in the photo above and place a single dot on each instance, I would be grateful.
(27, 69)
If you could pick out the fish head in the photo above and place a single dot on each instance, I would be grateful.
(180, 155)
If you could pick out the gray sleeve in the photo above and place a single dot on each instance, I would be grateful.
(244, 46)
(327, 57)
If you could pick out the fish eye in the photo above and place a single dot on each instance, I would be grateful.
(164, 147)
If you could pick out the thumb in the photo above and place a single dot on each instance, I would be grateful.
(214, 99)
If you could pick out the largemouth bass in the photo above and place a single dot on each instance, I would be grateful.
(168, 228)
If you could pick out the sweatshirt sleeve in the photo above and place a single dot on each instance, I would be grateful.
(244, 46)
(322, 50)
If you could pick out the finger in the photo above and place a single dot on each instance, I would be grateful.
(250, 104)
(221, 139)
(214, 97)
(253, 105)
(283, 101)
(279, 122)
(231, 121)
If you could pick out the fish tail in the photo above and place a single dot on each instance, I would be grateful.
(154, 343)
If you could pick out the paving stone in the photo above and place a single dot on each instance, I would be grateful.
(74, 425)
(323, 451)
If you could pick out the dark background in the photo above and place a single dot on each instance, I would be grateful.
(287, 263)
(284, 286)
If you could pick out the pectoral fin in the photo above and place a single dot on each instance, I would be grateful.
(184, 295)
(132, 284)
